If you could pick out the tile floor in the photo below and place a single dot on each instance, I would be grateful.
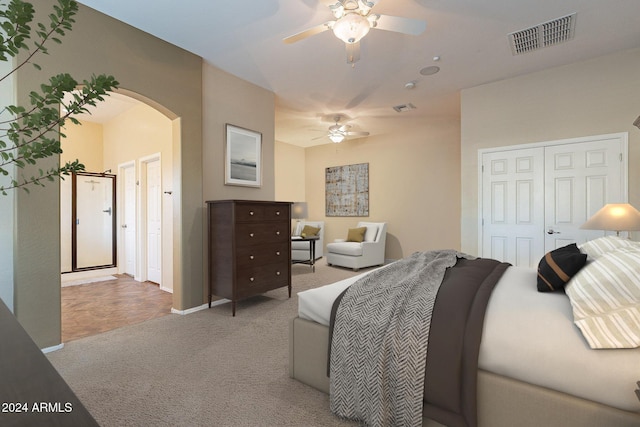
(98, 307)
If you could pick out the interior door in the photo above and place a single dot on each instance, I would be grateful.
(512, 200)
(580, 178)
(154, 222)
(129, 220)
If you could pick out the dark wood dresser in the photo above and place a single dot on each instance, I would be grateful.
(249, 248)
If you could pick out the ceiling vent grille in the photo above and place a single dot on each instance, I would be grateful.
(404, 108)
(546, 34)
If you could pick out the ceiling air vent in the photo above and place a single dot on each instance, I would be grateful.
(546, 34)
(404, 107)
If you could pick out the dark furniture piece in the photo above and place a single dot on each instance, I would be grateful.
(249, 248)
(32, 393)
(312, 250)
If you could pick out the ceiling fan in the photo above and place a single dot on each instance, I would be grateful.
(337, 133)
(354, 20)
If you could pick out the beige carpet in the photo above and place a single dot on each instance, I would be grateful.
(202, 369)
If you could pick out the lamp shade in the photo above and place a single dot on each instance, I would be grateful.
(614, 217)
(299, 210)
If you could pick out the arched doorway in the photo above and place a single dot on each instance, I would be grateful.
(133, 139)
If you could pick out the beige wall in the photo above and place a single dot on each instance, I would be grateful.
(595, 97)
(228, 99)
(139, 132)
(289, 169)
(414, 185)
(84, 142)
(157, 72)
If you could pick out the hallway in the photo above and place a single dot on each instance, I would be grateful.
(97, 307)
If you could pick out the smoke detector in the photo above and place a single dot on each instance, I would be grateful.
(546, 34)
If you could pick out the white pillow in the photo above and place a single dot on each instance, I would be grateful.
(605, 296)
(371, 233)
(598, 247)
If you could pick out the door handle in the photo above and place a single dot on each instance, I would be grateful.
(107, 211)
(551, 231)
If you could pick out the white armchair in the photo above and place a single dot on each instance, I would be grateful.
(358, 255)
(300, 250)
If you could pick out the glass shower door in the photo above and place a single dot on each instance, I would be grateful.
(94, 221)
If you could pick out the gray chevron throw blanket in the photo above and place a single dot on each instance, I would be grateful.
(389, 309)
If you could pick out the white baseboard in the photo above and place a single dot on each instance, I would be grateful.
(201, 307)
(54, 348)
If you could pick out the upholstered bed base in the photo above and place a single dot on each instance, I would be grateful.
(501, 401)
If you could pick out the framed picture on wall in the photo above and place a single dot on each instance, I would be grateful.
(243, 157)
(347, 190)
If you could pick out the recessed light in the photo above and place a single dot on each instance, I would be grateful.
(429, 71)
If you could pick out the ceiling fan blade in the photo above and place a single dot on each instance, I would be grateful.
(353, 52)
(358, 134)
(308, 33)
(400, 25)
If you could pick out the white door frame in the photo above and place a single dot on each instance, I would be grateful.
(622, 136)
(141, 261)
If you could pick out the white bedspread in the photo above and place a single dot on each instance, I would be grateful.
(529, 336)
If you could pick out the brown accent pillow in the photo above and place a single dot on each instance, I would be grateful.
(557, 267)
(308, 231)
(356, 234)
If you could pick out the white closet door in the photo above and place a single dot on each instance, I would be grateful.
(580, 178)
(513, 197)
(535, 199)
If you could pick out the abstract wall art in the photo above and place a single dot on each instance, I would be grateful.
(347, 190)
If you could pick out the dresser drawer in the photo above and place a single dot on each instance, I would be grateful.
(247, 212)
(257, 212)
(258, 234)
(251, 281)
(277, 213)
(256, 255)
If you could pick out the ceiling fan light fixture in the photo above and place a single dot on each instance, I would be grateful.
(351, 28)
(336, 137)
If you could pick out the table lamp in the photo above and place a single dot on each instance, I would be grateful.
(298, 211)
(614, 217)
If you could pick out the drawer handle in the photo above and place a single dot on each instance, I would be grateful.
(251, 279)
(277, 273)
(251, 213)
(250, 256)
(278, 253)
(277, 233)
(250, 234)
(277, 213)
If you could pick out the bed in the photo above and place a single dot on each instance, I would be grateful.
(534, 366)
